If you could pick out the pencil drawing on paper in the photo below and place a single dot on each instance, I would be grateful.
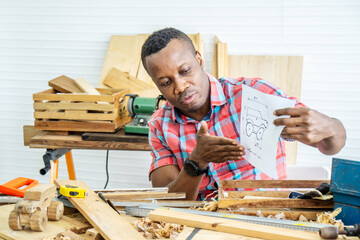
(255, 121)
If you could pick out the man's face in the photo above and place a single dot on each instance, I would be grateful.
(179, 75)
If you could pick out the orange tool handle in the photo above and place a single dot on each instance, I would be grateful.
(12, 187)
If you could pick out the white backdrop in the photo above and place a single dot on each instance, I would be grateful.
(40, 40)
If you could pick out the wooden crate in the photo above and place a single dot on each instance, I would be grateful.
(81, 112)
(229, 197)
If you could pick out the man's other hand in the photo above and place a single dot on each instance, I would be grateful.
(312, 128)
(214, 148)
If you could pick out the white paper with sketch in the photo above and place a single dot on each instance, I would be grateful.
(258, 133)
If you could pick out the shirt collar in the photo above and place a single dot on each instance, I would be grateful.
(217, 98)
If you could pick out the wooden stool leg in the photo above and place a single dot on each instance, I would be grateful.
(70, 165)
(54, 170)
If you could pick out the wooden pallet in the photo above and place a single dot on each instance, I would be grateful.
(81, 112)
(229, 197)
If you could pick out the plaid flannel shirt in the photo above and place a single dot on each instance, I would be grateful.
(172, 136)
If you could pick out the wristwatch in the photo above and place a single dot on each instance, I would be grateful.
(192, 168)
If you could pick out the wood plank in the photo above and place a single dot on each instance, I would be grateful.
(74, 115)
(230, 226)
(73, 106)
(52, 227)
(214, 66)
(51, 96)
(201, 234)
(93, 126)
(290, 215)
(274, 203)
(124, 54)
(75, 142)
(101, 216)
(222, 60)
(85, 86)
(40, 192)
(155, 189)
(29, 132)
(121, 196)
(271, 183)
(122, 80)
(283, 71)
(118, 136)
(64, 84)
(241, 194)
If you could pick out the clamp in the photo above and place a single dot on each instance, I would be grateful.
(51, 155)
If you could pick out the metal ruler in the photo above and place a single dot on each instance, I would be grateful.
(156, 204)
(143, 211)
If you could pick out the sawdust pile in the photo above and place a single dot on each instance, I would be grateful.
(157, 230)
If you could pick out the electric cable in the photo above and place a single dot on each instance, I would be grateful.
(107, 169)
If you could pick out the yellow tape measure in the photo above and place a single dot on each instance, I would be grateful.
(72, 191)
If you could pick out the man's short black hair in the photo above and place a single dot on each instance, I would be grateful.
(159, 39)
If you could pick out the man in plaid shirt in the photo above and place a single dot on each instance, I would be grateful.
(195, 135)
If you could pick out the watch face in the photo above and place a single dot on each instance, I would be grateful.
(190, 168)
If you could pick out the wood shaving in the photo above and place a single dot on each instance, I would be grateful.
(67, 235)
(210, 206)
(302, 218)
(329, 218)
(157, 230)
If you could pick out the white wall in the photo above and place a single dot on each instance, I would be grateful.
(40, 40)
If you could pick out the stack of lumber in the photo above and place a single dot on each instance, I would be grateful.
(123, 67)
(272, 201)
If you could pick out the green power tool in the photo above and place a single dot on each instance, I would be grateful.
(140, 109)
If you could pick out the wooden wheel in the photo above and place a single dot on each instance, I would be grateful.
(38, 221)
(55, 211)
(14, 221)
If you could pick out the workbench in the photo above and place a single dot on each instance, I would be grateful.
(100, 141)
(63, 142)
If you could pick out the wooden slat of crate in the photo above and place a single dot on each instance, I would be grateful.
(50, 95)
(81, 126)
(80, 112)
(72, 106)
(73, 115)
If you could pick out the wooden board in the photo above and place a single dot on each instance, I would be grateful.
(64, 84)
(270, 183)
(118, 136)
(283, 71)
(122, 196)
(220, 59)
(274, 203)
(122, 80)
(29, 132)
(75, 142)
(124, 53)
(40, 192)
(230, 226)
(242, 194)
(52, 227)
(101, 216)
(201, 234)
(289, 214)
(85, 86)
